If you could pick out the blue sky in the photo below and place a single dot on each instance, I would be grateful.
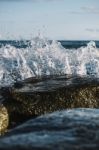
(55, 19)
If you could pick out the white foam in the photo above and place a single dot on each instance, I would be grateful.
(43, 57)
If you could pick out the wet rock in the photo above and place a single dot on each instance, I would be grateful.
(76, 129)
(4, 119)
(37, 96)
(56, 93)
(16, 113)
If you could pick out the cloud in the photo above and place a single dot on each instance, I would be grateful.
(85, 9)
(90, 9)
(75, 12)
(92, 30)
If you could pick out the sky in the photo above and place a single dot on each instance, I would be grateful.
(55, 19)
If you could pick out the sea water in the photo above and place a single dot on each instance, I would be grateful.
(39, 56)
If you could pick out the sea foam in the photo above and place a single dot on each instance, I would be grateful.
(44, 57)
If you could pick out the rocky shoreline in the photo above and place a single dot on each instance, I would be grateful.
(35, 97)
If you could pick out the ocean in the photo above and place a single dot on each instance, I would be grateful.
(23, 59)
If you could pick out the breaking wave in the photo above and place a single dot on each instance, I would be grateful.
(43, 57)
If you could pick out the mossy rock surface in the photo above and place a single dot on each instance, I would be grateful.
(36, 96)
(4, 119)
(57, 93)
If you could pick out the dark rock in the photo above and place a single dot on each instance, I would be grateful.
(56, 93)
(17, 114)
(76, 129)
(41, 95)
(4, 119)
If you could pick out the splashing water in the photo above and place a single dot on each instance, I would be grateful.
(43, 57)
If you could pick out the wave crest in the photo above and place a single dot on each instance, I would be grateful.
(43, 57)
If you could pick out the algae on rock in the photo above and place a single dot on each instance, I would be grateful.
(4, 119)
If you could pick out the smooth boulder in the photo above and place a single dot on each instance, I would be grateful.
(75, 129)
